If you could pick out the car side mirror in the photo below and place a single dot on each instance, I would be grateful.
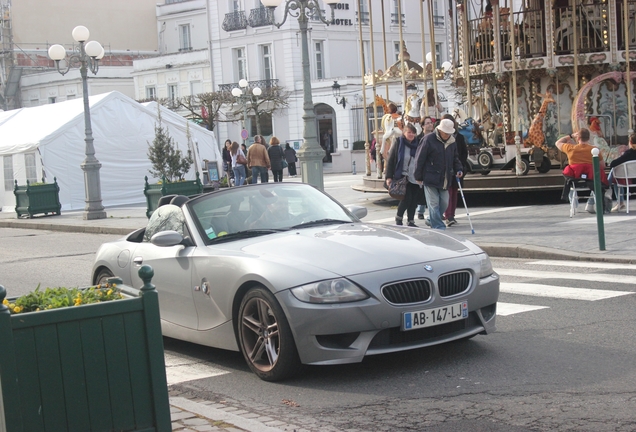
(357, 211)
(167, 238)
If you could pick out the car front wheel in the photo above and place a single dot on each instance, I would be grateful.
(265, 337)
(102, 276)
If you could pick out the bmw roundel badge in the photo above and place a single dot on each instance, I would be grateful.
(428, 268)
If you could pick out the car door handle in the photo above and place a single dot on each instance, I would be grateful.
(138, 260)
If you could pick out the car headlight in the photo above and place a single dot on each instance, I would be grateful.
(329, 291)
(485, 266)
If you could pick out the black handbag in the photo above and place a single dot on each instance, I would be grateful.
(397, 190)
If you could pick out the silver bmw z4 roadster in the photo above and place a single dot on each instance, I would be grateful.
(288, 276)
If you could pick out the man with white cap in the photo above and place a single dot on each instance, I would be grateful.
(437, 163)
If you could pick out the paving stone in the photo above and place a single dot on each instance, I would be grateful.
(196, 421)
(205, 428)
(181, 415)
(274, 423)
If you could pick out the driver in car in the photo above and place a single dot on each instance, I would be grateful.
(276, 213)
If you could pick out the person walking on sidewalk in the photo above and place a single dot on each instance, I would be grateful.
(290, 157)
(258, 161)
(276, 156)
(402, 163)
(427, 128)
(462, 151)
(437, 163)
(238, 164)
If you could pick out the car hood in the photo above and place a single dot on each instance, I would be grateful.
(358, 248)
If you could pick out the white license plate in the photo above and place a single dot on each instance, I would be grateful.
(435, 316)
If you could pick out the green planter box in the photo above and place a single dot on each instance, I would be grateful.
(95, 367)
(35, 199)
(155, 191)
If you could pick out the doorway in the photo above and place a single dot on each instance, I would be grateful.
(326, 127)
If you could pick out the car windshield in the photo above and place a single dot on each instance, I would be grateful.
(250, 211)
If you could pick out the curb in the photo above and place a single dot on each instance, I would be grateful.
(502, 250)
(496, 250)
(217, 414)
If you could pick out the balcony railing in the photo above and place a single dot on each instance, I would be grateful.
(365, 18)
(438, 20)
(394, 18)
(262, 84)
(260, 17)
(234, 21)
(314, 17)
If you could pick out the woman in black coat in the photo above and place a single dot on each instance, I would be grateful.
(290, 157)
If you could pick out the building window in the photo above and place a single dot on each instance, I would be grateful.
(70, 96)
(366, 46)
(8, 173)
(438, 55)
(196, 88)
(241, 63)
(173, 93)
(396, 50)
(151, 93)
(52, 100)
(29, 165)
(184, 37)
(236, 5)
(266, 60)
(266, 124)
(320, 73)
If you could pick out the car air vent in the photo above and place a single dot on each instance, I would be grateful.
(412, 291)
(454, 283)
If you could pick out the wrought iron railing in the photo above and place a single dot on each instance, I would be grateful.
(529, 35)
(364, 16)
(394, 18)
(631, 27)
(592, 30)
(234, 21)
(315, 17)
(260, 17)
(262, 84)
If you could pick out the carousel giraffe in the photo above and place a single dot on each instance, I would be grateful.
(536, 137)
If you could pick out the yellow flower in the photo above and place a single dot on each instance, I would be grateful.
(37, 309)
(5, 302)
(78, 301)
(110, 291)
(17, 309)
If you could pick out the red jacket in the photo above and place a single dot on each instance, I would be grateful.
(577, 170)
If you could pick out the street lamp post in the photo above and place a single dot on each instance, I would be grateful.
(311, 153)
(86, 57)
(242, 94)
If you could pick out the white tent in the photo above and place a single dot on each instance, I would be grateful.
(53, 135)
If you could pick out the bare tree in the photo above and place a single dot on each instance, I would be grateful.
(203, 108)
(271, 100)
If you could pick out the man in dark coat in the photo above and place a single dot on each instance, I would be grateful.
(437, 163)
(462, 151)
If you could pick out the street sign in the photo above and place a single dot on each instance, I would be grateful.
(244, 134)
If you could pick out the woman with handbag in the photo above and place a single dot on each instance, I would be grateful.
(238, 164)
(400, 179)
(276, 158)
(290, 157)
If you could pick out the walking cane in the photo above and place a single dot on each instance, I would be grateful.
(465, 206)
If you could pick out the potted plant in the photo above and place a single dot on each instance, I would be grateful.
(36, 198)
(171, 166)
(68, 365)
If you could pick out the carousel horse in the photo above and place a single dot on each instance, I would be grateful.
(412, 112)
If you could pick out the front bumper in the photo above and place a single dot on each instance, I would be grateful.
(345, 333)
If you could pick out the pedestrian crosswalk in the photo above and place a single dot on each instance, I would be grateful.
(573, 283)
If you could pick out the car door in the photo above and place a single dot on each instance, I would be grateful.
(172, 268)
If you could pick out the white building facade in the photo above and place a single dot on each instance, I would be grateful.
(239, 41)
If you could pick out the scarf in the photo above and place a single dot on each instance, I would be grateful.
(399, 166)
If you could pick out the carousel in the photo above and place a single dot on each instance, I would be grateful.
(528, 72)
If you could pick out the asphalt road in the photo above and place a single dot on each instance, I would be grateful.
(562, 358)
